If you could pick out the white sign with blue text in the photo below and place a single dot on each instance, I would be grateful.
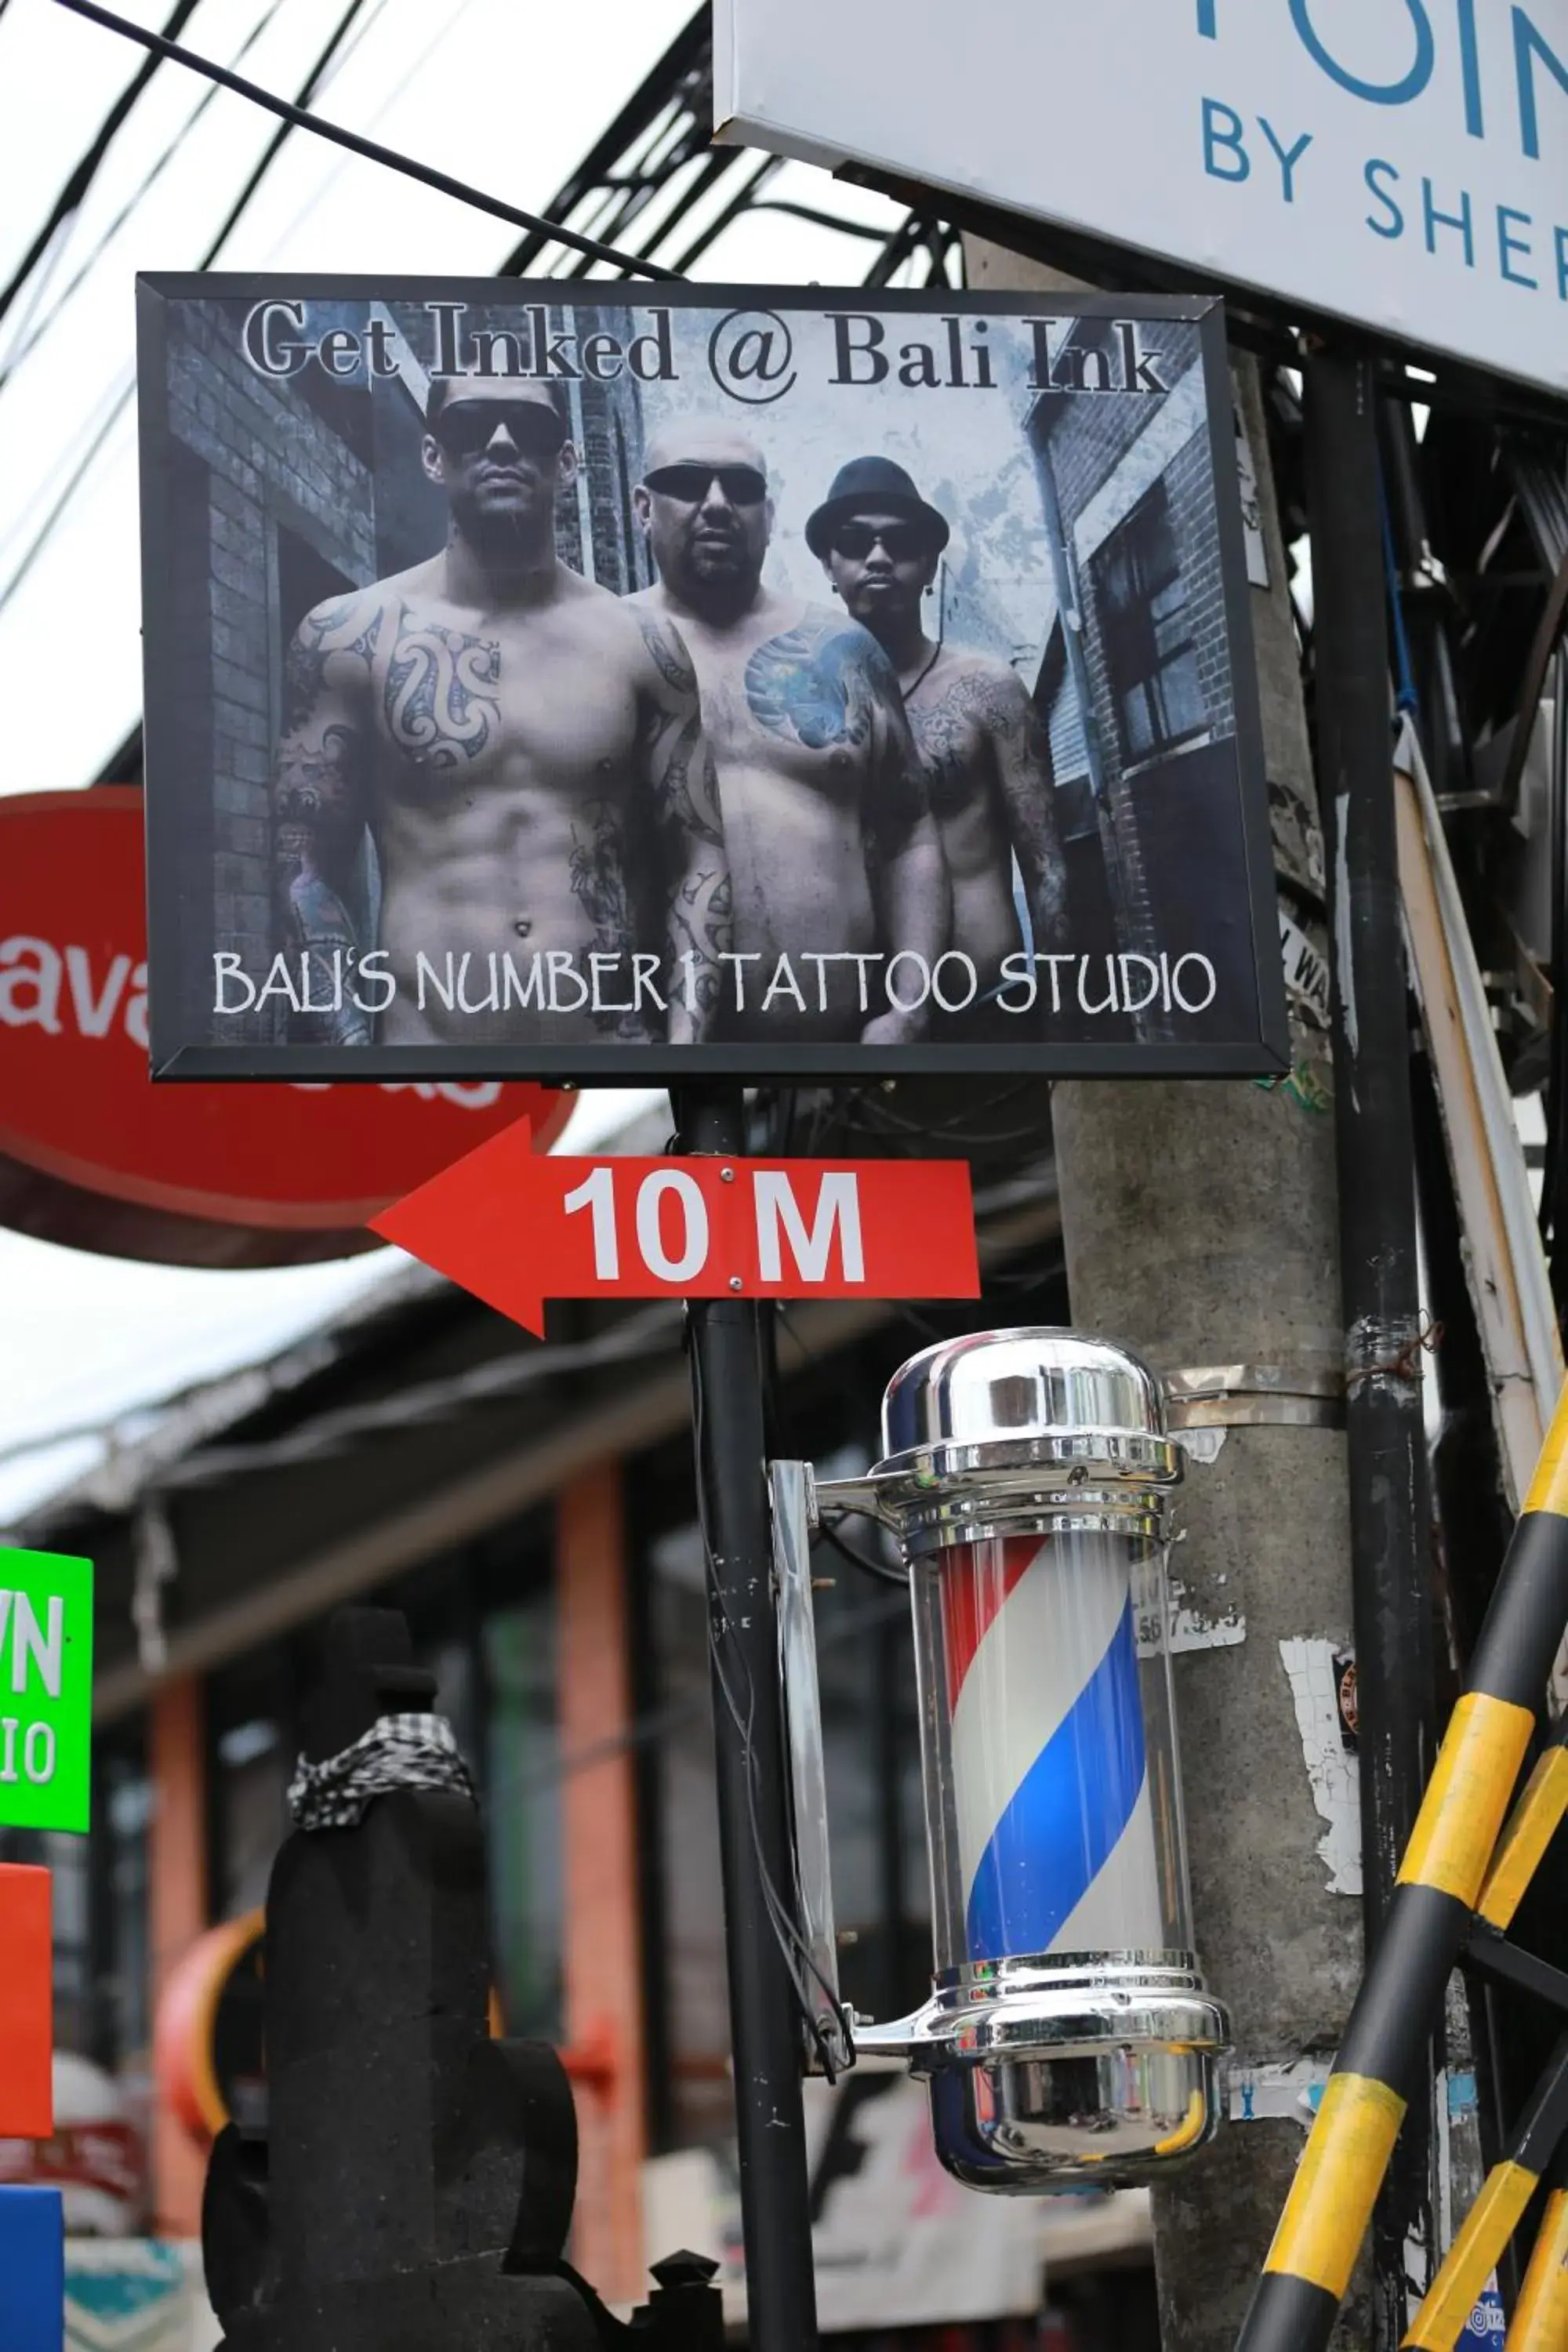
(1403, 163)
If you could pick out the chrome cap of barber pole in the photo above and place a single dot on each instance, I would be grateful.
(1070, 2065)
(1019, 1433)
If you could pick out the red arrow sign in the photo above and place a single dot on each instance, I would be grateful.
(514, 1227)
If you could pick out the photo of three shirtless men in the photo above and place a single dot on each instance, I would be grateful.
(516, 798)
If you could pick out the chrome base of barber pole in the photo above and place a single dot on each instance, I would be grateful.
(1049, 2072)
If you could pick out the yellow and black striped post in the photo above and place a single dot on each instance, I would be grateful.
(1540, 2321)
(1439, 1884)
(1530, 1830)
(1495, 2216)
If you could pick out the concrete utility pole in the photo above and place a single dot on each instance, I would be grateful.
(1201, 1229)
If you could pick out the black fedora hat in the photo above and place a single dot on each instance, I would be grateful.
(874, 482)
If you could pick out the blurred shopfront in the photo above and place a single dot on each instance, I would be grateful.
(531, 1507)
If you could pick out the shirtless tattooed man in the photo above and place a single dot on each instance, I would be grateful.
(522, 747)
(836, 858)
(980, 738)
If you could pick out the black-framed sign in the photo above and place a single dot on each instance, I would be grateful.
(627, 683)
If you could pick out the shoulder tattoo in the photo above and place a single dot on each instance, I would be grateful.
(345, 632)
(820, 683)
(668, 655)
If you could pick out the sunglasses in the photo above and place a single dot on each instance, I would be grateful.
(741, 485)
(900, 541)
(464, 428)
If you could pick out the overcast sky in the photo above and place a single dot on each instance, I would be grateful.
(506, 97)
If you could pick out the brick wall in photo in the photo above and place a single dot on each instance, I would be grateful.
(266, 461)
(1089, 442)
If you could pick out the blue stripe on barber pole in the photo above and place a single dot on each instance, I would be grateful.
(1071, 1809)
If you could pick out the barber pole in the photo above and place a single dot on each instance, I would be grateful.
(1055, 1835)
(1070, 2035)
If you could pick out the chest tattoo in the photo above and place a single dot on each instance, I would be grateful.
(441, 700)
(952, 732)
(814, 686)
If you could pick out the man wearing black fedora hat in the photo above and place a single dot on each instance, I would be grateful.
(985, 752)
(841, 897)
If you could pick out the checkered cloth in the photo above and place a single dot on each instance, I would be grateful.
(398, 1752)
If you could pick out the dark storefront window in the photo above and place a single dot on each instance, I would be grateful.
(1145, 621)
(117, 1853)
(252, 1738)
(483, 1621)
(523, 1812)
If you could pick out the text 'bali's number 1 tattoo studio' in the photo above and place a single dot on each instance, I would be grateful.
(554, 685)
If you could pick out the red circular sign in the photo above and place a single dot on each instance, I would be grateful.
(77, 1106)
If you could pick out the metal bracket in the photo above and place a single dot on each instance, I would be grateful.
(1309, 1394)
(831, 2048)
(1489, 1951)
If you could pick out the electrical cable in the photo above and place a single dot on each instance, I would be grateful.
(781, 1435)
(827, 1533)
(793, 1950)
(369, 149)
(444, 32)
(1554, 1172)
(119, 401)
(28, 341)
(309, 88)
(792, 1947)
(1406, 700)
(85, 170)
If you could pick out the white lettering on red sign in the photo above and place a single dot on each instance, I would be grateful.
(670, 1198)
(31, 975)
(778, 1214)
(43, 987)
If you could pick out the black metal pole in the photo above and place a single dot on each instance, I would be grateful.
(753, 1820)
(1390, 1513)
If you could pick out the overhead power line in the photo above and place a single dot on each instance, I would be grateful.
(293, 116)
(32, 333)
(70, 196)
(162, 46)
(309, 88)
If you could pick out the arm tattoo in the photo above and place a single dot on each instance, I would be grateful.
(698, 909)
(668, 655)
(326, 636)
(319, 797)
(679, 809)
(1023, 756)
(597, 874)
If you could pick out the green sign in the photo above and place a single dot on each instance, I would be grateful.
(46, 1690)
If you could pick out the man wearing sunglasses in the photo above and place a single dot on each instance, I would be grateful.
(836, 859)
(518, 744)
(984, 752)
